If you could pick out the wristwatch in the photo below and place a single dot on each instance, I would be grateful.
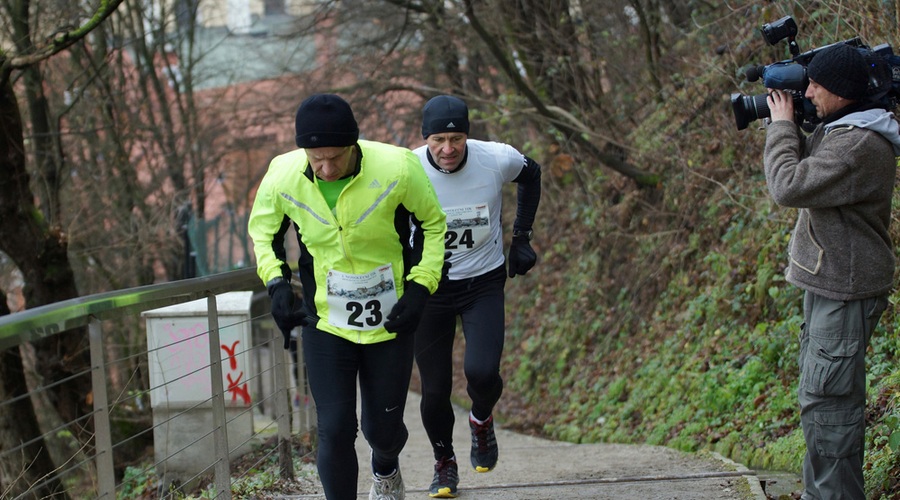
(523, 234)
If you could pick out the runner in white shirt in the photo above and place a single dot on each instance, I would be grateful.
(468, 176)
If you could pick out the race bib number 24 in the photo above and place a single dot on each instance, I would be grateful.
(467, 227)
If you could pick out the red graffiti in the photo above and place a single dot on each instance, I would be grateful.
(236, 391)
(231, 359)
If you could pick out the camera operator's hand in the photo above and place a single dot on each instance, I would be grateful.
(781, 105)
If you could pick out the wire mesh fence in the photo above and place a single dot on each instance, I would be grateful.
(183, 378)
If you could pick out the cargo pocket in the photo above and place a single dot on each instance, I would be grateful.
(828, 365)
(839, 432)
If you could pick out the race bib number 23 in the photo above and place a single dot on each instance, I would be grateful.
(360, 301)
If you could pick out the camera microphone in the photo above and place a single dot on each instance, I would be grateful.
(753, 73)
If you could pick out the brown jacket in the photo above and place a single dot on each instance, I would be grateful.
(841, 178)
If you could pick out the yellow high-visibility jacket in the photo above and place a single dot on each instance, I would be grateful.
(388, 203)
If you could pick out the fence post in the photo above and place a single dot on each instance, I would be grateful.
(220, 433)
(106, 479)
(282, 407)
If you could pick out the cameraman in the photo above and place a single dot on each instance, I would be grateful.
(841, 179)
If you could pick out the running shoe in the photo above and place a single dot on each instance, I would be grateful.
(388, 487)
(446, 478)
(484, 445)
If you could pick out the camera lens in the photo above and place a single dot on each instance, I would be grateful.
(783, 28)
(748, 108)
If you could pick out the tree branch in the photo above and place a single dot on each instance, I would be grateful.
(643, 179)
(63, 40)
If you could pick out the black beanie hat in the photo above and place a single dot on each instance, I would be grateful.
(325, 120)
(444, 113)
(841, 69)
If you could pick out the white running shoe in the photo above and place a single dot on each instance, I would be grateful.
(388, 487)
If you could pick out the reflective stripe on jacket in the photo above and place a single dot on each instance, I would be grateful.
(369, 227)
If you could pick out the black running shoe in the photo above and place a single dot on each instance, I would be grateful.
(484, 445)
(446, 478)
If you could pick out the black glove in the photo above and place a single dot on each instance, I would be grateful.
(286, 312)
(521, 256)
(445, 269)
(406, 313)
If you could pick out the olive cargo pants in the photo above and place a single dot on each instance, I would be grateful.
(832, 393)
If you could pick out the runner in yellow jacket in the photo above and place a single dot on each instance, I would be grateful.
(371, 236)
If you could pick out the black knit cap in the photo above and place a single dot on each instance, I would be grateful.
(444, 113)
(841, 69)
(325, 120)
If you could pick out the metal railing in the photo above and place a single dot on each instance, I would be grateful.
(121, 386)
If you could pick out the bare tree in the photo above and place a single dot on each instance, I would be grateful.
(572, 128)
(133, 155)
(32, 463)
(537, 61)
(649, 16)
(30, 234)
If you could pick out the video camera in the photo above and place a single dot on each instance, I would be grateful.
(790, 75)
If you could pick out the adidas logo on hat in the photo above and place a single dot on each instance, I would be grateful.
(444, 113)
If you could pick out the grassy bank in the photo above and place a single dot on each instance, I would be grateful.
(662, 315)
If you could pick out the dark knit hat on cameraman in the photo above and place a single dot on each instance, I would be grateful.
(842, 70)
(444, 113)
(325, 120)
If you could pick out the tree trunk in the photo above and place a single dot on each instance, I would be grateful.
(40, 255)
(38, 247)
(29, 465)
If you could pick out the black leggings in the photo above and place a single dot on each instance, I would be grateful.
(479, 302)
(384, 370)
